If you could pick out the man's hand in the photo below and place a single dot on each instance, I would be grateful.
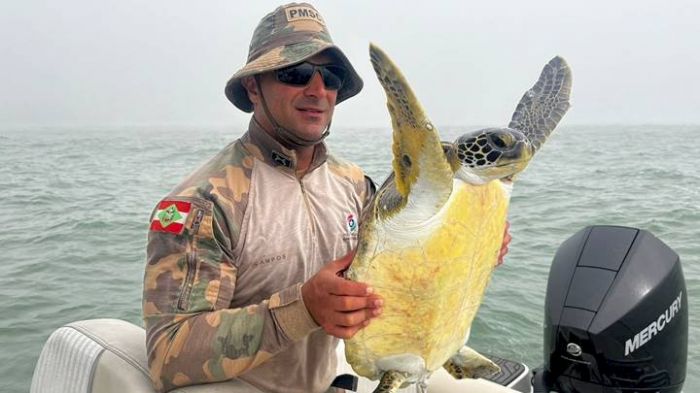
(504, 246)
(341, 307)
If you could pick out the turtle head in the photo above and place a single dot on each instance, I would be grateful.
(493, 153)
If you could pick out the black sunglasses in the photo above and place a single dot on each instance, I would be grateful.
(300, 74)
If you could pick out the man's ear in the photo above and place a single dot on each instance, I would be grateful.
(251, 87)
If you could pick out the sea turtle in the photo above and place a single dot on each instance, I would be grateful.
(430, 238)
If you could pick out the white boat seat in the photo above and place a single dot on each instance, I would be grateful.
(104, 356)
(109, 356)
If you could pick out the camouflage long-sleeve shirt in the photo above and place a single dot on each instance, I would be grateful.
(228, 250)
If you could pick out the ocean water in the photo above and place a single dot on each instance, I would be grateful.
(76, 204)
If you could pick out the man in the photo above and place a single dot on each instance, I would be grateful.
(245, 256)
(230, 247)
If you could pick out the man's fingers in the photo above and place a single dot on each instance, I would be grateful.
(348, 331)
(346, 324)
(504, 245)
(354, 303)
(341, 306)
(343, 287)
(501, 256)
(354, 318)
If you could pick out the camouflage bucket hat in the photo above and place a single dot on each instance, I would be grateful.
(288, 35)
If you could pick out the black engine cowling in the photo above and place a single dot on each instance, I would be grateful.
(616, 314)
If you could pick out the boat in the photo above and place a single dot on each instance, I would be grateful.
(616, 320)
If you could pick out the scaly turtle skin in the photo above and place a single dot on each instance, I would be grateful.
(430, 239)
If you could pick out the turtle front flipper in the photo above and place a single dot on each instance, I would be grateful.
(420, 167)
(541, 107)
(468, 363)
(391, 381)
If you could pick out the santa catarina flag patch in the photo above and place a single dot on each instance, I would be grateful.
(170, 216)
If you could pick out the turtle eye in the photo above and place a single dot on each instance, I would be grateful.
(498, 141)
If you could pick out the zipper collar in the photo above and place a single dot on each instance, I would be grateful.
(265, 148)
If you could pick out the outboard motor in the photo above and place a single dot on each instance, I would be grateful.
(616, 315)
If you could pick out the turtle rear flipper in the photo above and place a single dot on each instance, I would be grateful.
(391, 381)
(468, 363)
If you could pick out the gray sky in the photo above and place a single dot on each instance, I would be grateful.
(158, 62)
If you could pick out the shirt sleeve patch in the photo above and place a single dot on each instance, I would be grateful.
(170, 216)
